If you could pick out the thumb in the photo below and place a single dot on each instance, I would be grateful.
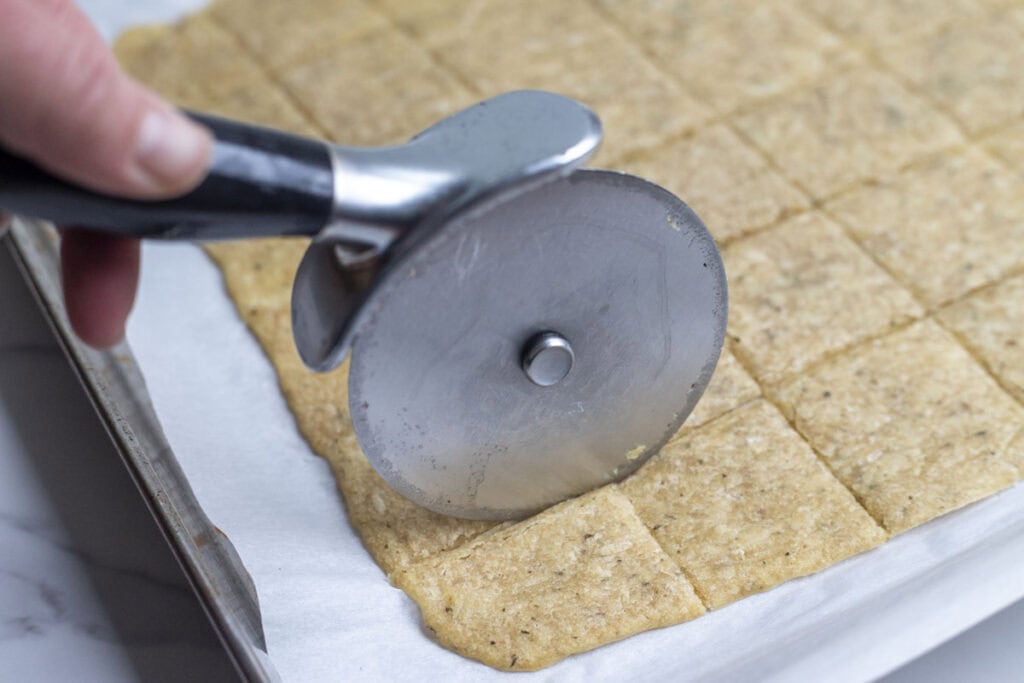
(66, 105)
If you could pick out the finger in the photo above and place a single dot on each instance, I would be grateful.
(100, 274)
(67, 105)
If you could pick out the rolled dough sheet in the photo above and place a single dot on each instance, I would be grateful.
(844, 409)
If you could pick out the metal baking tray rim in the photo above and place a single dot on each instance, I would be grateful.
(116, 388)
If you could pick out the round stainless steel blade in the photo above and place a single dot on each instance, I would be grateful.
(619, 268)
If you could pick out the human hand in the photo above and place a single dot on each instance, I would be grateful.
(66, 105)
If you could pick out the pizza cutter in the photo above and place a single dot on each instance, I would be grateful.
(521, 330)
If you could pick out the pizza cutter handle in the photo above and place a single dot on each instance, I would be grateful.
(261, 182)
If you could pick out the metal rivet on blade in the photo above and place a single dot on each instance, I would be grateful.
(547, 358)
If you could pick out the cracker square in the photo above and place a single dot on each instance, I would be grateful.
(568, 48)
(855, 126)
(801, 290)
(145, 53)
(233, 85)
(911, 424)
(380, 89)
(164, 58)
(259, 273)
(730, 388)
(743, 504)
(579, 575)
(991, 324)
(728, 184)
(973, 70)
(1008, 145)
(731, 59)
(283, 34)
(882, 24)
(944, 227)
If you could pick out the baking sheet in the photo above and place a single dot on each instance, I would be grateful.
(115, 387)
(329, 612)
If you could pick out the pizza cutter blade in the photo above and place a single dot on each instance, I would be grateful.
(520, 330)
(537, 345)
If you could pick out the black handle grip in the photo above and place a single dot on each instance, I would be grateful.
(261, 183)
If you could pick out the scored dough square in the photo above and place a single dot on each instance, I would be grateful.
(259, 273)
(974, 70)
(991, 324)
(159, 56)
(234, 86)
(944, 227)
(743, 504)
(569, 48)
(801, 290)
(881, 24)
(911, 424)
(854, 126)
(765, 50)
(283, 34)
(265, 104)
(381, 89)
(730, 387)
(730, 186)
(579, 575)
(1008, 145)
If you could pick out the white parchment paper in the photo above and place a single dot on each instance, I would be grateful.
(330, 614)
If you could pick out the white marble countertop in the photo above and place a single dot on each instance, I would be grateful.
(88, 588)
